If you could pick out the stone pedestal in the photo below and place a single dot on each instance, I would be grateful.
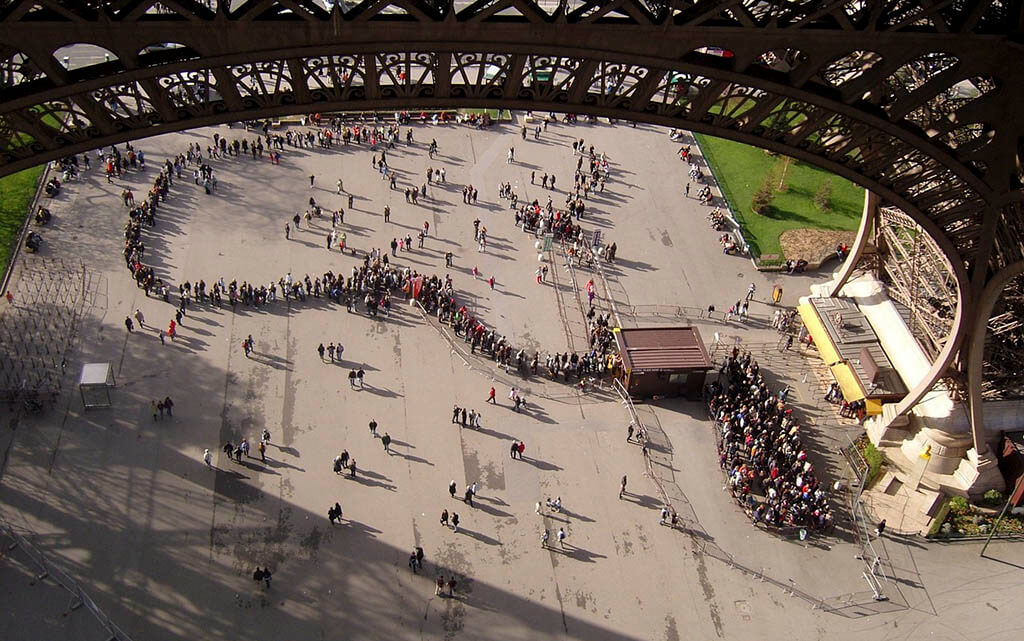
(947, 450)
(979, 474)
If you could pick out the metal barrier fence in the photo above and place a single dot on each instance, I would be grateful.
(470, 362)
(48, 570)
(874, 572)
(730, 206)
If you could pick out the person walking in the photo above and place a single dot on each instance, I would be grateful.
(629, 432)
(622, 486)
(373, 428)
(455, 522)
(451, 586)
(544, 538)
(561, 537)
(438, 585)
(312, 178)
(520, 448)
(490, 397)
(139, 318)
(169, 405)
(468, 497)
(207, 457)
(386, 440)
(129, 324)
(444, 518)
(320, 350)
(263, 451)
(514, 450)
(359, 375)
(451, 488)
(880, 528)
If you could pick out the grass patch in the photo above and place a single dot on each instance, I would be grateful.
(16, 192)
(741, 169)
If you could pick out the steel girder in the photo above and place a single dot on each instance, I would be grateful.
(917, 100)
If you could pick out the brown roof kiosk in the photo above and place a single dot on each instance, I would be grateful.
(663, 361)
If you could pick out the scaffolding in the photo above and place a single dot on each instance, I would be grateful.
(38, 321)
(918, 277)
(1004, 346)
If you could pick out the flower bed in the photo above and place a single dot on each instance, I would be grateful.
(964, 519)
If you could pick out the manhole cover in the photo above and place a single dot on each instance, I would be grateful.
(740, 275)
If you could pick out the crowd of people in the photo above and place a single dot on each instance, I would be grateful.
(760, 448)
(371, 284)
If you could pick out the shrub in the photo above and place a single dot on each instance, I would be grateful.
(823, 199)
(992, 498)
(874, 460)
(959, 506)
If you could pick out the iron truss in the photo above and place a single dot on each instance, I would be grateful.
(917, 100)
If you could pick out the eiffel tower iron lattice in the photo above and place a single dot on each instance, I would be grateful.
(917, 100)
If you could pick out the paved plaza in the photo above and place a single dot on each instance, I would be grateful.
(166, 546)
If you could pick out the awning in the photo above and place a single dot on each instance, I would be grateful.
(820, 335)
(848, 382)
(852, 390)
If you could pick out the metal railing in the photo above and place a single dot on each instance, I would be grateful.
(48, 570)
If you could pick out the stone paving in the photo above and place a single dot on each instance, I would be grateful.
(166, 547)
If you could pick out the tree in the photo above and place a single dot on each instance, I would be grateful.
(761, 202)
(823, 199)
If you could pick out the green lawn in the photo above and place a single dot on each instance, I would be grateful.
(16, 193)
(741, 168)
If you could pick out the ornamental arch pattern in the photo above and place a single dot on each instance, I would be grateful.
(916, 100)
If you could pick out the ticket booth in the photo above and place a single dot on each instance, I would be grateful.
(663, 361)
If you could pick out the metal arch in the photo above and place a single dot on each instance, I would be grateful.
(976, 349)
(864, 234)
(782, 58)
